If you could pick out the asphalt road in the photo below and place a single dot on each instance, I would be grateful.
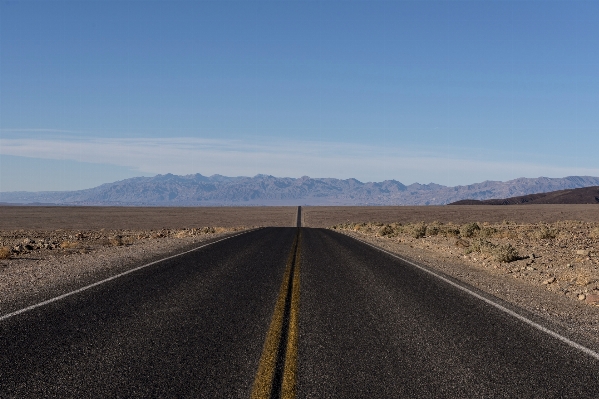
(367, 326)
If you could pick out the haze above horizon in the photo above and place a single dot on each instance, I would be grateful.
(450, 92)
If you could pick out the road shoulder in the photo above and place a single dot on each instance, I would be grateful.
(576, 319)
(40, 275)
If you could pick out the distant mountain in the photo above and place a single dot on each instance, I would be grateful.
(586, 195)
(173, 190)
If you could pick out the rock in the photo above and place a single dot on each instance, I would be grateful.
(581, 297)
(531, 256)
(549, 281)
(462, 243)
(592, 298)
(28, 241)
(583, 252)
(28, 247)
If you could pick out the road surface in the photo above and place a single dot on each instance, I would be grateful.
(276, 313)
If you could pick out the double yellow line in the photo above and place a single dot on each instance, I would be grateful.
(267, 380)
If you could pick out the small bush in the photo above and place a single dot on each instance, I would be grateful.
(506, 253)
(116, 241)
(470, 229)
(418, 230)
(5, 253)
(483, 246)
(449, 231)
(488, 232)
(386, 231)
(432, 230)
(545, 233)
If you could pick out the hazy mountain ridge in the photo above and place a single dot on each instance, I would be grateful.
(584, 195)
(269, 190)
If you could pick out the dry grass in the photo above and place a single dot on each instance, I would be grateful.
(69, 245)
(5, 253)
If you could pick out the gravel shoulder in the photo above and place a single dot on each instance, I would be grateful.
(549, 277)
(41, 264)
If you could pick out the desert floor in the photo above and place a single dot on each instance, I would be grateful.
(328, 216)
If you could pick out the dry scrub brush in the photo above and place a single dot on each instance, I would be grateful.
(472, 231)
(501, 253)
(69, 245)
(508, 230)
(5, 253)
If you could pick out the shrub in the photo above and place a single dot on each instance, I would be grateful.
(483, 246)
(432, 230)
(545, 233)
(488, 232)
(386, 231)
(468, 230)
(449, 231)
(418, 230)
(116, 241)
(5, 253)
(506, 253)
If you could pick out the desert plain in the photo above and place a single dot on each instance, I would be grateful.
(551, 269)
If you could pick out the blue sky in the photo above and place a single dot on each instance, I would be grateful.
(451, 92)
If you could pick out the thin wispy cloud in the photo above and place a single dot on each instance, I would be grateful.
(281, 158)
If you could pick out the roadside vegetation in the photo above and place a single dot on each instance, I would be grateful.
(16, 244)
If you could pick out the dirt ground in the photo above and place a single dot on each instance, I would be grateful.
(327, 216)
(140, 218)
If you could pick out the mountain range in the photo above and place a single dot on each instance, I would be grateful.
(217, 190)
(584, 195)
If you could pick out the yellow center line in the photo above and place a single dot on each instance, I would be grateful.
(289, 373)
(263, 383)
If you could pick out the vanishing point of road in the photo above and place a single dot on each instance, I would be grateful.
(284, 312)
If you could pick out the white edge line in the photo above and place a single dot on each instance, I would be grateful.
(518, 316)
(87, 287)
